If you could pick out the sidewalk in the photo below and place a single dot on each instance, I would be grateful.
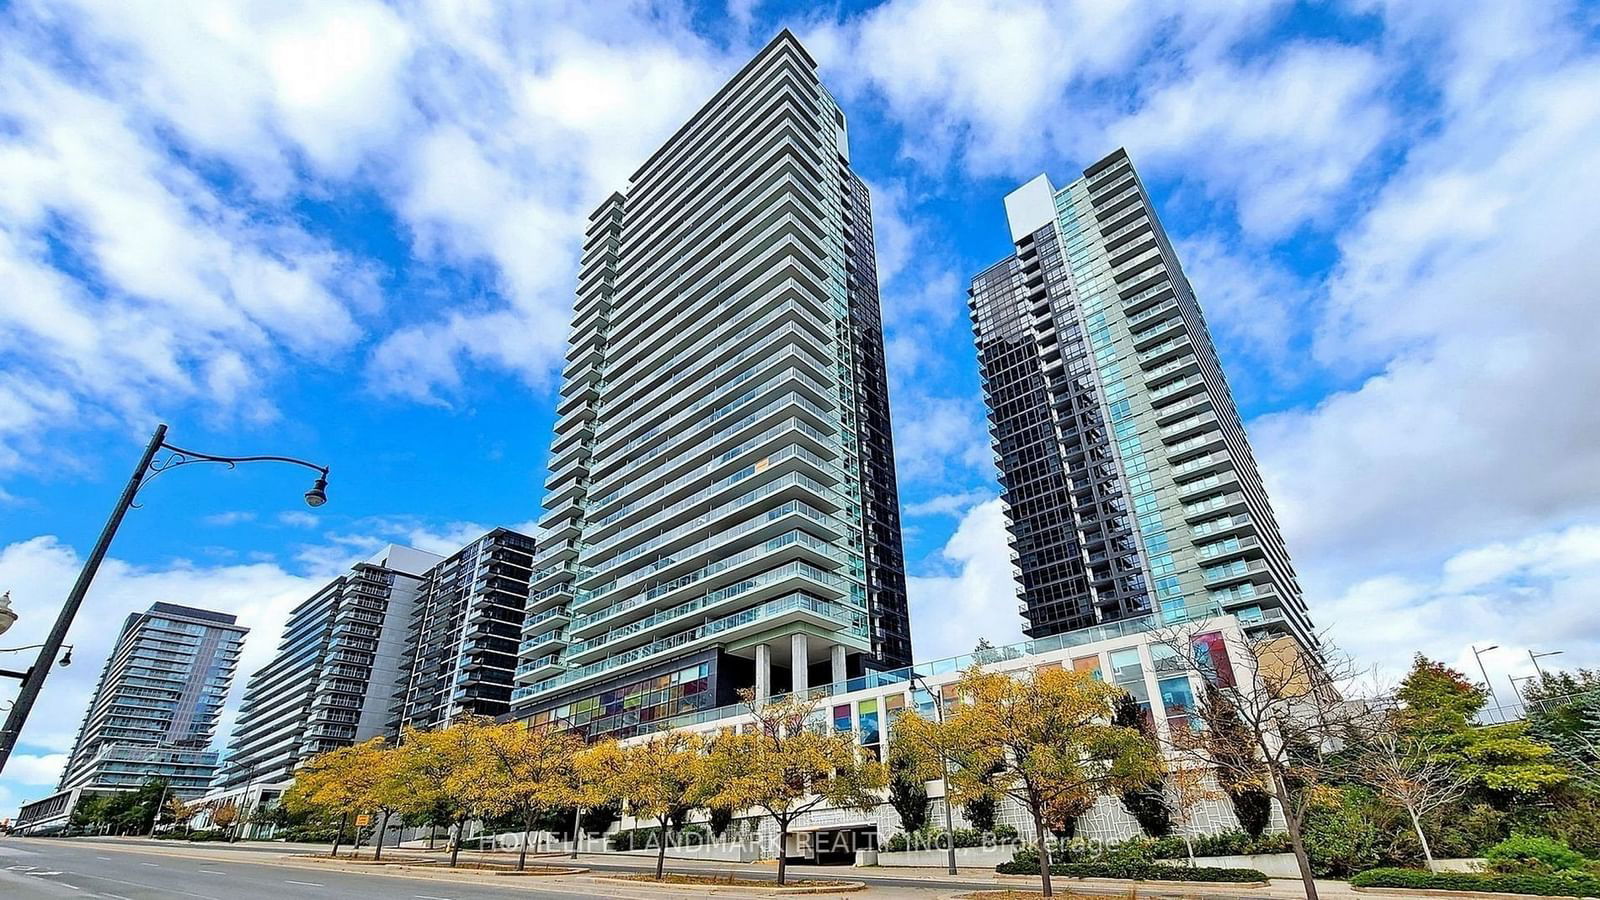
(886, 883)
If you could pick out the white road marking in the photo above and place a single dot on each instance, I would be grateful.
(212, 872)
(103, 857)
(18, 868)
(38, 872)
(151, 865)
(116, 896)
(302, 883)
(426, 897)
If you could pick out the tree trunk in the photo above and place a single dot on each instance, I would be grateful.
(661, 853)
(339, 834)
(1427, 852)
(1292, 819)
(383, 828)
(783, 852)
(527, 830)
(1188, 844)
(433, 833)
(1044, 849)
(455, 845)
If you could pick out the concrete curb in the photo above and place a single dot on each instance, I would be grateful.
(841, 887)
(1465, 895)
(1145, 882)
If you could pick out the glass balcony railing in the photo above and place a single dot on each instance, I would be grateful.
(789, 539)
(793, 398)
(783, 482)
(836, 612)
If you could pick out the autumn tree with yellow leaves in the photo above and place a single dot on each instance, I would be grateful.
(658, 778)
(446, 767)
(1044, 739)
(785, 765)
(341, 780)
(524, 771)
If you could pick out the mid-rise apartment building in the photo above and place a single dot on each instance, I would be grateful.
(465, 626)
(1128, 479)
(721, 510)
(332, 681)
(155, 708)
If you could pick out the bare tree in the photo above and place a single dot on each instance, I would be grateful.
(1271, 714)
(1409, 775)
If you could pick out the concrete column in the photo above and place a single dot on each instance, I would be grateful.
(800, 678)
(763, 672)
(838, 663)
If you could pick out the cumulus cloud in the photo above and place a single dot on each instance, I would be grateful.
(977, 599)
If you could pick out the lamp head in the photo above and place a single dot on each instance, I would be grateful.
(318, 494)
(66, 658)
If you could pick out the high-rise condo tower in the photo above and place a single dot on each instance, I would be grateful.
(1127, 476)
(156, 707)
(721, 511)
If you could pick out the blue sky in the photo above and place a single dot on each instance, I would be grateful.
(347, 230)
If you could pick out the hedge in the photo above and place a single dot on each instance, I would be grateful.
(1574, 885)
(1136, 871)
(934, 839)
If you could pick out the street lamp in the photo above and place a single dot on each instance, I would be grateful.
(944, 767)
(148, 468)
(166, 783)
(8, 616)
(1477, 654)
(1535, 657)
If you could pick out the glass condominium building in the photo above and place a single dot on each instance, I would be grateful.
(465, 623)
(332, 681)
(1128, 480)
(721, 511)
(155, 709)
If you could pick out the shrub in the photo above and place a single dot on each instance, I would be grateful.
(934, 839)
(1528, 853)
(1564, 885)
(1028, 864)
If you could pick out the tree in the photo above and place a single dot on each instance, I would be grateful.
(355, 778)
(90, 813)
(1147, 803)
(527, 771)
(1043, 738)
(908, 792)
(179, 811)
(1192, 788)
(1564, 713)
(785, 768)
(225, 815)
(1266, 720)
(1411, 776)
(1502, 763)
(660, 778)
(443, 767)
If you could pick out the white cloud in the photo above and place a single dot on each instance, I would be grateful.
(1283, 137)
(950, 612)
(41, 769)
(947, 504)
(1535, 592)
(229, 518)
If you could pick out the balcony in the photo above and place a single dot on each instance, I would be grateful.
(1211, 506)
(543, 665)
(794, 608)
(1236, 572)
(745, 587)
(1165, 351)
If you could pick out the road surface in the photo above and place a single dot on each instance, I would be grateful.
(81, 869)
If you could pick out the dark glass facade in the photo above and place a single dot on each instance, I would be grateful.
(1129, 484)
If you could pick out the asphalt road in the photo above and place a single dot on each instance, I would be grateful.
(132, 869)
(70, 868)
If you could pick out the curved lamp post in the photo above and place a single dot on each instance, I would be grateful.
(148, 468)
